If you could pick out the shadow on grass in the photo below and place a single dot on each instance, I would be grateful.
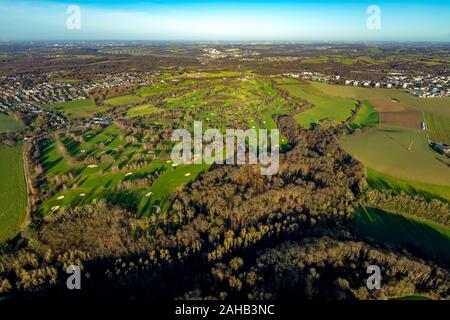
(71, 146)
(88, 198)
(402, 232)
(47, 165)
(76, 171)
(91, 152)
(81, 180)
(88, 136)
(381, 184)
(125, 199)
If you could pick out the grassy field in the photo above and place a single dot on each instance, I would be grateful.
(401, 153)
(123, 100)
(404, 232)
(436, 110)
(342, 59)
(171, 181)
(143, 110)
(373, 58)
(397, 114)
(9, 123)
(76, 108)
(380, 181)
(13, 194)
(269, 123)
(366, 117)
(213, 74)
(440, 106)
(327, 107)
(438, 127)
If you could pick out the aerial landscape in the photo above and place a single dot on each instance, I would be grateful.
(90, 184)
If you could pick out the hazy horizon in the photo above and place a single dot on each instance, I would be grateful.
(285, 21)
(229, 42)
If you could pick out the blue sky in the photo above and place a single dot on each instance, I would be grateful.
(225, 20)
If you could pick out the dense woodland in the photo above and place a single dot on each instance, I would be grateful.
(231, 234)
(435, 209)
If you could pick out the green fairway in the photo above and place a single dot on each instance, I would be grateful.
(404, 231)
(401, 153)
(143, 110)
(153, 89)
(9, 123)
(267, 118)
(124, 100)
(269, 123)
(438, 127)
(134, 170)
(120, 161)
(170, 181)
(366, 117)
(331, 109)
(213, 74)
(13, 194)
(76, 108)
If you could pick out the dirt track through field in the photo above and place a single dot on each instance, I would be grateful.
(397, 114)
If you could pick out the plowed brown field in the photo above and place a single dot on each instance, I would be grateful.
(397, 114)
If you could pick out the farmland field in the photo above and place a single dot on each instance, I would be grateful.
(123, 100)
(440, 106)
(404, 231)
(13, 195)
(438, 127)
(9, 123)
(397, 114)
(327, 107)
(366, 117)
(374, 60)
(401, 153)
(380, 181)
(77, 108)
